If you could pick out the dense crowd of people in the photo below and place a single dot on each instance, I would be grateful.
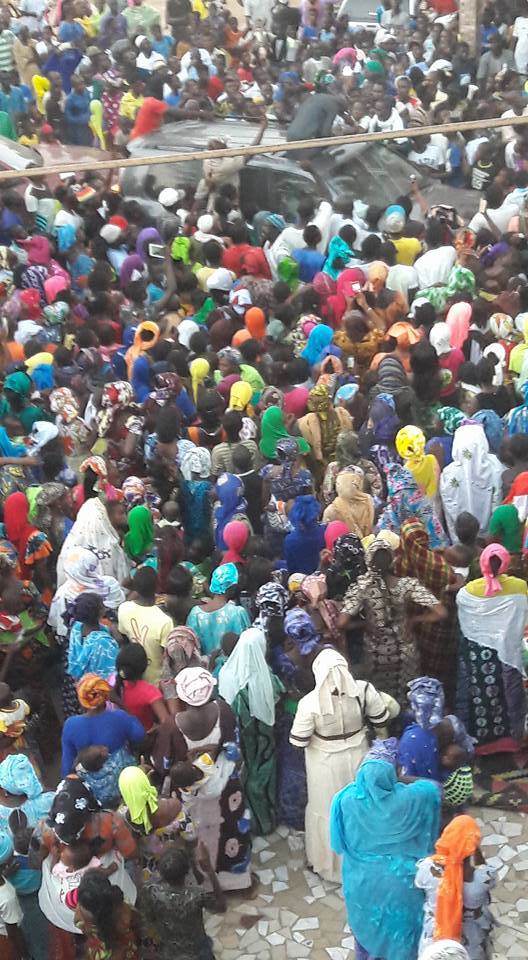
(263, 484)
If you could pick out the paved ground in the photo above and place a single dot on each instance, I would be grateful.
(297, 915)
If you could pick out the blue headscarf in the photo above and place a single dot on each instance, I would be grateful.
(118, 359)
(493, 427)
(383, 828)
(66, 237)
(141, 379)
(18, 777)
(320, 337)
(43, 377)
(229, 494)
(305, 512)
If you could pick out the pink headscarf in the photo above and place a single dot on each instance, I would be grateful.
(458, 320)
(53, 286)
(236, 535)
(334, 530)
(492, 583)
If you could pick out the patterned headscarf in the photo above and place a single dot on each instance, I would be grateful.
(185, 639)
(133, 491)
(347, 564)
(63, 402)
(271, 600)
(426, 697)
(194, 685)
(384, 750)
(299, 627)
(93, 691)
(49, 493)
(320, 403)
(116, 396)
(71, 809)
(196, 461)
(450, 418)
(225, 576)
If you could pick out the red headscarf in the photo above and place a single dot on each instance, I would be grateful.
(31, 300)
(17, 526)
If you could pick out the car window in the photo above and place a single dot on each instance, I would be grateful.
(375, 175)
(151, 181)
(288, 190)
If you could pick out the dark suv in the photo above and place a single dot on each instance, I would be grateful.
(371, 172)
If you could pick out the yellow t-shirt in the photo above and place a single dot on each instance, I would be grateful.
(408, 249)
(150, 627)
(130, 105)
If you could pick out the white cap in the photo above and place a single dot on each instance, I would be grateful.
(205, 223)
(168, 197)
(110, 232)
(441, 65)
(139, 40)
(221, 279)
(185, 330)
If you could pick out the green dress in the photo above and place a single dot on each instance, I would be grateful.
(259, 774)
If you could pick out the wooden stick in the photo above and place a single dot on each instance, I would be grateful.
(408, 133)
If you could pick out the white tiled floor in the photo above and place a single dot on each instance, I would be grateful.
(296, 915)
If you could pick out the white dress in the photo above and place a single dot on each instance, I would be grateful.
(334, 745)
(477, 920)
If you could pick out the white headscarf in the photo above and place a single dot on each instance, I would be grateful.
(247, 667)
(93, 529)
(331, 673)
(472, 482)
(440, 338)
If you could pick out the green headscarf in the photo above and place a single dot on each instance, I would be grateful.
(251, 375)
(181, 249)
(374, 66)
(288, 270)
(273, 429)
(140, 537)
(18, 383)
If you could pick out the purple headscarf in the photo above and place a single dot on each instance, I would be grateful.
(131, 265)
(148, 235)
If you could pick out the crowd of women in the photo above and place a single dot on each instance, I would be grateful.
(264, 489)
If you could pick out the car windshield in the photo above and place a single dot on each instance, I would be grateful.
(375, 174)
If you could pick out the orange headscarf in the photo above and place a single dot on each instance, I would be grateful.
(92, 691)
(459, 840)
(255, 321)
(140, 345)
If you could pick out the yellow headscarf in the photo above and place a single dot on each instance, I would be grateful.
(41, 86)
(410, 444)
(140, 796)
(240, 395)
(199, 370)
(518, 352)
(96, 122)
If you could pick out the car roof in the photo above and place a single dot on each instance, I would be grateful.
(14, 156)
(188, 135)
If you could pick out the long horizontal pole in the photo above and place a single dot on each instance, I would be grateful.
(252, 151)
